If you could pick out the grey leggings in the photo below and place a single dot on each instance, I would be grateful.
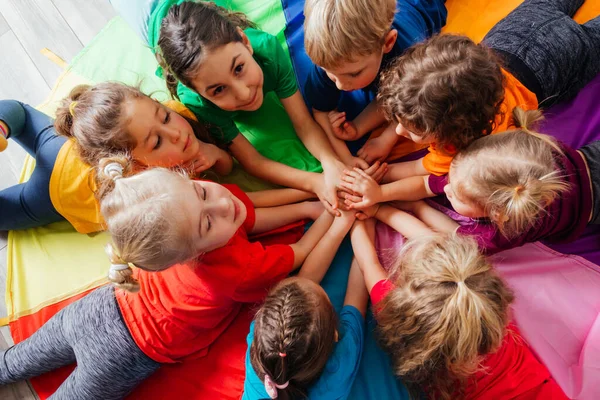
(92, 333)
(550, 53)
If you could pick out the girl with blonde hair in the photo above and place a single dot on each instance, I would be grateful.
(91, 123)
(185, 247)
(443, 316)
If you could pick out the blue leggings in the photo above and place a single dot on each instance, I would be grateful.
(28, 204)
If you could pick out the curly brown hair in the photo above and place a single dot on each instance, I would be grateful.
(447, 88)
(300, 323)
(449, 310)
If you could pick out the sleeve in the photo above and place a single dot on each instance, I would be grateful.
(320, 91)
(380, 290)
(221, 125)
(267, 265)
(489, 239)
(436, 163)
(254, 388)
(436, 183)
(343, 365)
(285, 78)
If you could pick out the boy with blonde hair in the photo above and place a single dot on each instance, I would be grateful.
(350, 42)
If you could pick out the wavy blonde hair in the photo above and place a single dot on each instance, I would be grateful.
(148, 230)
(449, 310)
(512, 175)
(335, 31)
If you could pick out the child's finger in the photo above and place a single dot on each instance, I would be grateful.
(347, 178)
(362, 163)
(352, 198)
(372, 168)
(361, 216)
(349, 186)
(361, 173)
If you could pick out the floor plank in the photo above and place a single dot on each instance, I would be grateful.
(20, 80)
(86, 18)
(38, 24)
(3, 26)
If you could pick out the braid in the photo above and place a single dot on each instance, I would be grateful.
(294, 335)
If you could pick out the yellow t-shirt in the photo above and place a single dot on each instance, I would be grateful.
(73, 184)
(437, 161)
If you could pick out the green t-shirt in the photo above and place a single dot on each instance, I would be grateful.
(269, 128)
(278, 77)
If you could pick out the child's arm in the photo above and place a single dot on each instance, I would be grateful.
(362, 237)
(281, 174)
(310, 239)
(329, 127)
(377, 149)
(318, 261)
(404, 223)
(276, 217)
(356, 292)
(278, 197)
(405, 169)
(363, 191)
(435, 219)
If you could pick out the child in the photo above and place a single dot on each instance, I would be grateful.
(443, 316)
(520, 186)
(449, 91)
(350, 42)
(222, 68)
(159, 218)
(91, 123)
(297, 347)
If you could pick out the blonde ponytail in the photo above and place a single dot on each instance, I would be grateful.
(120, 277)
(448, 311)
(512, 175)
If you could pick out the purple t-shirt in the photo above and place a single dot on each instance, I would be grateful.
(563, 221)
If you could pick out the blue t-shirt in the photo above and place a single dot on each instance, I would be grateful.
(338, 376)
(415, 20)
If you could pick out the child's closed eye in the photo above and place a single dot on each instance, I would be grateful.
(158, 143)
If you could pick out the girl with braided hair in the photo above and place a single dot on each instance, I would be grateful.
(298, 347)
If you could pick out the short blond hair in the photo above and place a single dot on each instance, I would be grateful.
(335, 31)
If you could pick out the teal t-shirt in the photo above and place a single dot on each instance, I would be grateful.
(340, 371)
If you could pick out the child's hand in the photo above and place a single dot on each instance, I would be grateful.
(356, 162)
(377, 171)
(207, 156)
(343, 129)
(367, 191)
(376, 149)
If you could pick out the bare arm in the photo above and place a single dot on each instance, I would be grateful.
(278, 197)
(276, 217)
(338, 144)
(436, 220)
(404, 170)
(307, 128)
(318, 261)
(363, 239)
(356, 292)
(369, 118)
(404, 223)
(310, 239)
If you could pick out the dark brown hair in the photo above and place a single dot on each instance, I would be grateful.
(188, 32)
(449, 310)
(299, 323)
(95, 116)
(447, 88)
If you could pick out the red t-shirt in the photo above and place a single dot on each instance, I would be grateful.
(180, 311)
(511, 372)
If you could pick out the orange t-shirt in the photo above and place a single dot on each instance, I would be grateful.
(437, 161)
(73, 184)
(179, 312)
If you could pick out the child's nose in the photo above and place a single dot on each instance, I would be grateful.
(173, 135)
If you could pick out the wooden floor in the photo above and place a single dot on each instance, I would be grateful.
(26, 27)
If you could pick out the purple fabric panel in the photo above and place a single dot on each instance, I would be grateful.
(577, 123)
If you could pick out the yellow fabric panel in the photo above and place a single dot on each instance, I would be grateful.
(45, 265)
(475, 18)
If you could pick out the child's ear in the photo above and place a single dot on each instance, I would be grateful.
(390, 41)
(245, 40)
